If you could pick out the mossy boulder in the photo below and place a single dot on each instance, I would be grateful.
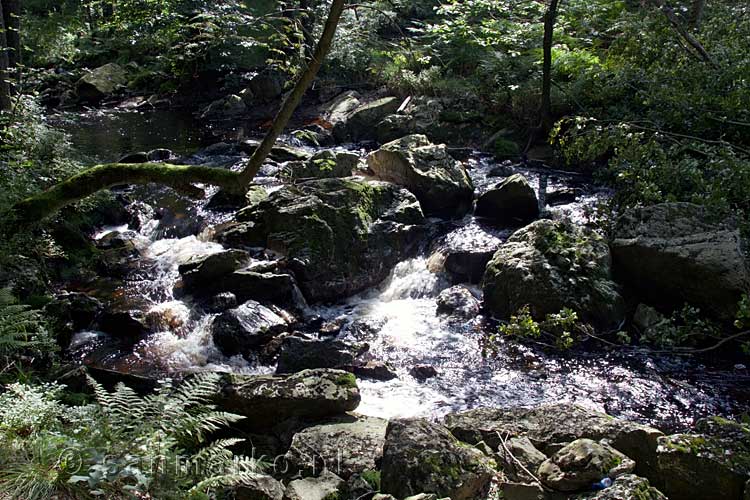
(548, 425)
(346, 445)
(101, 82)
(359, 124)
(582, 463)
(267, 400)
(439, 182)
(551, 265)
(325, 164)
(423, 457)
(674, 253)
(713, 463)
(510, 203)
(339, 236)
(628, 487)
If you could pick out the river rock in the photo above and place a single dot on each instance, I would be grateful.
(226, 106)
(139, 157)
(420, 456)
(713, 463)
(258, 487)
(519, 450)
(335, 111)
(628, 487)
(200, 274)
(580, 464)
(159, 154)
(423, 372)
(550, 265)
(359, 124)
(547, 425)
(376, 370)
(510, 203)
(299, 354)
(458, 301)
(326, 164)
(266, 400)
(70, 313)
(101, 82)
(267, 86)
(244, 329)
(339, 236)
(674, 253)
(345, 445)
(439, 182)
(325, 487)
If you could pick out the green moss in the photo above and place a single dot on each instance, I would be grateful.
(347, 380)
(372, 477)
(504, 148)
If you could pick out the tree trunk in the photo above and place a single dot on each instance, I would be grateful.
(546, 120)
(696, 13)
(684, 33)
(5, 102)
(180, 177)
(12, 18)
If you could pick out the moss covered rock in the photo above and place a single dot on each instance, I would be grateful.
(551, 265)
(422, 457)
(512, 202)
(439, 182)
(101, 82)
(713, 463)
(628, 487)
(339, 236)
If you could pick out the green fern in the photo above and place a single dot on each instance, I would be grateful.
(21, 328)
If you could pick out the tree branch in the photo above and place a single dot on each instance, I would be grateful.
(684, 33)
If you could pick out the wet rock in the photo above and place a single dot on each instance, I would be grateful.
(458, 301)
(629, 487)
(563, 196)
(140, 157)
(127, 325)
(267, 400)
(222, 301)
(70, 313)
(159, 155)
(511, 203)
(244, 329)
(439, 182)
(217, 149)
(467, 265)
(645, 318)
(339, 236)
(423, 372)
(101, 82)
(277, 288)
(519, 450)
(326, 164)
(580, 464)
(258, 487)
(502, 171)
(200, 274)
(376, 370)
(381, 496)
(674, 253)
(550, 265)
(345, 446)
(420, 456)
(226, 106)
(227, 201)
(557, 423)
(324, 487)
(299, 354)
(267, 86)
(359, 123)
(713, 463)
(279, 152)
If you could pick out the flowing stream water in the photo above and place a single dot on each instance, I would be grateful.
(397, 319)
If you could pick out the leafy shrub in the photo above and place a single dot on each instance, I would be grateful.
(560, 327)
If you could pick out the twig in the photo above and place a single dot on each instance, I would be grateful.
(518, 462)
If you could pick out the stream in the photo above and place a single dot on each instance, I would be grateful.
(397, 319)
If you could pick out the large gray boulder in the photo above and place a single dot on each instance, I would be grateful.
(712, 463)
(422, 457)
(359, 123)
(324, 165)
(439, 182)
(628, 487)
(674, 253)
(258, 487)
(550, 265)
(266, 400)
(325, 487)
(200, 273)
(519, 458)
(246, 328)
(345, 445)
(101, 82)
(547, 426)
(339, 236)
(299, 354)
(582, 463)
(510, 203)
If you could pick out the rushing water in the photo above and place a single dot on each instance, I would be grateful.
(399, 322)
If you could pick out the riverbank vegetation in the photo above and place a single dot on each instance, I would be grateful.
(648, 100)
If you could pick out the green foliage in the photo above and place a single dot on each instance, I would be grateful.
(23, 331)
(686, 327)
(558, 326)
(125, 445)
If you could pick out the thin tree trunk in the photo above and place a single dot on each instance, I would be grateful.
(696, 13)
(545, 113)
(12, 17)
(683, 32)
(180, 177)
(293, 99)
(5, 102)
